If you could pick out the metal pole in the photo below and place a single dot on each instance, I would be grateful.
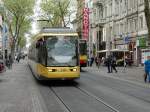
(124, 60)
(137, 61)
(90, 49)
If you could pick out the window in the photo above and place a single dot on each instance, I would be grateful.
(141, 1)
(117, 7)
(125, 27)
(41, 51)
(121, 6)
(105, 11)
(135, 24)
(134, 3)
(121, 28)
(111, 9)
(141, 22)
(117, 29)
(130, 25)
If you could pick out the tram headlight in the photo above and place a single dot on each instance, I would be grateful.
(74, 70)
(50, 70)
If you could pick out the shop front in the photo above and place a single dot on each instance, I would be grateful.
(144, 47)
(128, 49)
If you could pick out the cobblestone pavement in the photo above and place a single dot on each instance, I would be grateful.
(129, 73)
(18, 90)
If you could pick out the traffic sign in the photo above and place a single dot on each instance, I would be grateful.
(126, 40)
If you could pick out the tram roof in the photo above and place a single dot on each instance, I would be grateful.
(57, 30)
(49, 31)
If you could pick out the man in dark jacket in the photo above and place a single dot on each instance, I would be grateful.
(108, 63)
(113, 64)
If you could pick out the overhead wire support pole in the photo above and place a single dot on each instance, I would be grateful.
(137, 35)
(124, 61)
(124, 54)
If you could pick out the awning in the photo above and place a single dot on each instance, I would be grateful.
(113, 50)
(119, 50)
(102, 51)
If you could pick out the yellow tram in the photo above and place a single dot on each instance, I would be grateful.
(54, 54)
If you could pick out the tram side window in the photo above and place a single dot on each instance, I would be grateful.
(41, 51)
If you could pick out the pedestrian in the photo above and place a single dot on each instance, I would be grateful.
(15, 57)
(98, 62)
(91, 61)
(113, 64)
(18, 58)
(124, 62)
(103, 60)
(108, 63)
(2, 65)
(10, 60)
(147, 69)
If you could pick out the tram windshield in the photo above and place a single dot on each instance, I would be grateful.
(62, 51)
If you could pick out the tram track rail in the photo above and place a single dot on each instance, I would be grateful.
(85, 92)
(60, 100)
(97, 98)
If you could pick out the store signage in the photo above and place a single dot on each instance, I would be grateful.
(126, 40)
(85, 23)
(142, 42)
(122, 47)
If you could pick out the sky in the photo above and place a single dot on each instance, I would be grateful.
(35, 16)
(34, 23)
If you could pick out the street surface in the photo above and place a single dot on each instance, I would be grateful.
(95, 91)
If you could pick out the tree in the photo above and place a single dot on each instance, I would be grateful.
(56, 12)
(20, 10)
(147, 16)
(21, 41)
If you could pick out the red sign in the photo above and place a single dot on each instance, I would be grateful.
(85, 23)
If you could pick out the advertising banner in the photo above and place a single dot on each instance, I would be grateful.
(85, 23)
(142, 42)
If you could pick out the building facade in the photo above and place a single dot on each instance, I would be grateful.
(79, 16)
(120, 24)
(4, 32)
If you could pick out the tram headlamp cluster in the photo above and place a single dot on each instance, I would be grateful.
(50, 70)
(74, 70)
(54, 70)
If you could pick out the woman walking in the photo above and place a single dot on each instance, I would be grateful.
(147, 69)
